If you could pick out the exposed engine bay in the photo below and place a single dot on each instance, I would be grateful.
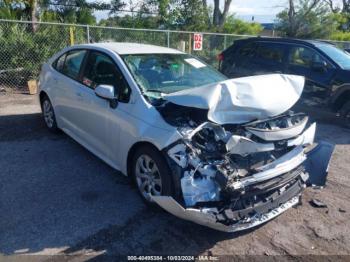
(237, 175)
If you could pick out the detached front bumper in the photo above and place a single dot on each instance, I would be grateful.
(206, 217)
(281, 182)
(228, 220)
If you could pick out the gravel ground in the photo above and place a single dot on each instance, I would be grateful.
(57, 198)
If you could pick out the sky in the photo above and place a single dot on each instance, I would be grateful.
(264, 11)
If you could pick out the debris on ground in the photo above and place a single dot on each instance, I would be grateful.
(313, 186)
(317, 203)
(342, 210)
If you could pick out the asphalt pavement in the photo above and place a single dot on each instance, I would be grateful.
(58, 198)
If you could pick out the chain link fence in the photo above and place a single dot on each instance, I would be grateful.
(340, 44)
(24, 47)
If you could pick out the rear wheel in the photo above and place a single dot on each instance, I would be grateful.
(151, 174)
(345, 113)
(49, 115)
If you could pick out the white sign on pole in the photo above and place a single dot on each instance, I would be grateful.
(197, 42)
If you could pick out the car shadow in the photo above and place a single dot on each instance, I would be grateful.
(58, 198)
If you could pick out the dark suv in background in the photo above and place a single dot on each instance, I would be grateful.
(325, 67)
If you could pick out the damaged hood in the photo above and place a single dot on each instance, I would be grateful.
(242, 100)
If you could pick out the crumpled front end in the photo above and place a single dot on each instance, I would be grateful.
(238, 172)
(234, 177)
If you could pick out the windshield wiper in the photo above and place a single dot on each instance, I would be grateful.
(153, 90)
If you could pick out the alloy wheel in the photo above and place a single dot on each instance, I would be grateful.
(148, 178)
(48, 113)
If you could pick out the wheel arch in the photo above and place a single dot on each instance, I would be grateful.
(42, 95)
(132, 151)
(341, 98)
(176, 171)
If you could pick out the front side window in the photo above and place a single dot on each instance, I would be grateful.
(73, 63)
(303, 56)
(59, 63)
(339, 56)
(168, 73)
(270, 52)
(101, 70)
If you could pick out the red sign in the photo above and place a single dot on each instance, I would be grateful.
(197, 42)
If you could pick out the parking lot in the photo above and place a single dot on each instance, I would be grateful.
(58, 198)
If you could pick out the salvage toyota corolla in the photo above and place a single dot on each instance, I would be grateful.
(225, 153)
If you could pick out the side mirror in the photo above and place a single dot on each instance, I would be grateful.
(319, 66)
(105, 92)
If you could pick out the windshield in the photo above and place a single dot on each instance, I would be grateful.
(339, 56)
(168, 73)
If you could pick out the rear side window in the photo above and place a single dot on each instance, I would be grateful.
(73, 63)
(270, 51)
(101, 70)
(247, 50)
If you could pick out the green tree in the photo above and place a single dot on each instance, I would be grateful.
(20, 9)
(115, 6)
(72, 11)
(188, 15)
(66, 11)
(238, 26)
(306, 19)
(341, 13)
(8, 12)
(209, 17)
(219, 17)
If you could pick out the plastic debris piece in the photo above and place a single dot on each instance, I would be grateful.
(317, 203)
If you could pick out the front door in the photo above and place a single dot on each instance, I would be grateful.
(99, 121)
(318, 72)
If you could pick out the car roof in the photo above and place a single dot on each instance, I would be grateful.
(286, 40)
(134, 48)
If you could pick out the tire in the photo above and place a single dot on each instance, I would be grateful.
(151, 174)
(345, 114)
(49, 115)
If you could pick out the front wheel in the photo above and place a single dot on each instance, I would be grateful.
(151, 174)
(49, 115)
(345, 113)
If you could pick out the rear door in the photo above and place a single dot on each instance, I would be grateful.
(301, 61)
(68, 97)
(269, 58)
(237, 62)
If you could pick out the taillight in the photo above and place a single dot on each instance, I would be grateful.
(221, 57)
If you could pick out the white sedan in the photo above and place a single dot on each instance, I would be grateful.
(222, 153)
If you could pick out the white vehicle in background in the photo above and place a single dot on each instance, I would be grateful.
(222, 153)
